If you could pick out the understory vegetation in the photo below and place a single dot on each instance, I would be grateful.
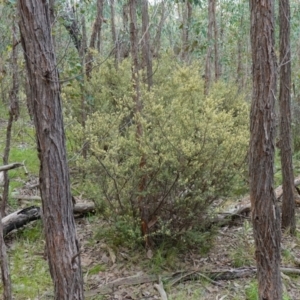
(196, 153)
(194, 147)
(157, 137)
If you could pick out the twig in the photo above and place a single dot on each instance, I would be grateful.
(10, 166)
(161, 290)
(25, 169)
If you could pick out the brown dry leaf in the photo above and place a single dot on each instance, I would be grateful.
(111, 255)
(105, 258)
(85, 261)
(149, 254)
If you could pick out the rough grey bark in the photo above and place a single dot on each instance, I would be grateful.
(285, 144)
(265, 213)
(59, 225)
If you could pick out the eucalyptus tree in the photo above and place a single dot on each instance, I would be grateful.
(211, 36)
(95, 36)
(59, 225)
(265, 213)
(285, 144)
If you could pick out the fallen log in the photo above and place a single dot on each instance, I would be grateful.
(83, 208)
(25, 197)
(10, 166)
(7, 168)
(24, 216)
(20, 218)
(243, 209)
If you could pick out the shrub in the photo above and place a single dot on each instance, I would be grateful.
(193, 146)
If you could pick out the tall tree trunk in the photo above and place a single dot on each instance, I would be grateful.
(13, 114)
(147, 55)
(84, 106)
(239, 71)
(216, 42)
(186, 23)
(220, 39)
(157, 39)
(138, 111)
(5, 274)
(114, 33)
(288, 203)
(96, 32)
(124, 46)
(59, 225)
(71, 25)
(265, 213)
(208, 64)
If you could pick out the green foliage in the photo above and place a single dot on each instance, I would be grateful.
(31, 234)
(122, 231)
(29, 270)
(252, 292)
(243, 253)
(96, 269)
(193, 147)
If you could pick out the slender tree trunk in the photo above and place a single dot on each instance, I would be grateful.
(186, 22)
(13, 114)
(208, 64)
(114, 33)
(216, 42)
(138, 111)
(157, 39)
(265, 213)
(184, 31)
(84, 106)
(221, 38)
(146, 49)
(59, 225)
(96, 32)
(71, 24)
(124, 46)
(288, 203)
(239, 71)
(5, 274)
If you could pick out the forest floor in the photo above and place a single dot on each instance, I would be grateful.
(136, 273)
(232, 249)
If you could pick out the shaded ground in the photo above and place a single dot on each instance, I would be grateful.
(233, 248)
